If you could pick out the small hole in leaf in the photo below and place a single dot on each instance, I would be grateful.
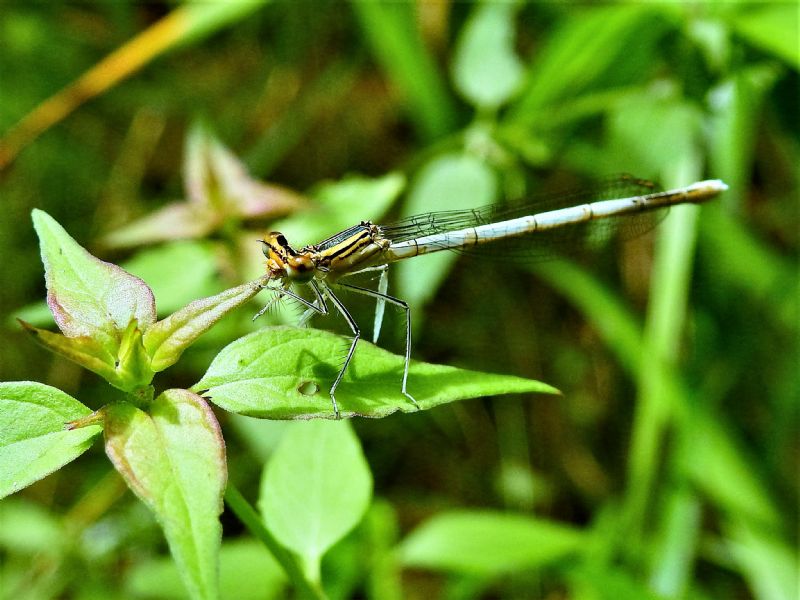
(308, 388)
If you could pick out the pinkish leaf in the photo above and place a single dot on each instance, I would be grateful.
(174, 459)
(86, 351)
(255, 200)
(172, 222)
(87, 296)
(167, 339)
(216, 179)
(127, 370)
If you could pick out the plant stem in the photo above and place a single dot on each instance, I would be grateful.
(659, 399)
(290, 563)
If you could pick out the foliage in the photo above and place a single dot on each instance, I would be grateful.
(170, 450)
(667, 467)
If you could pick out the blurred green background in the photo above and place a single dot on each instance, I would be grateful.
(675, 445)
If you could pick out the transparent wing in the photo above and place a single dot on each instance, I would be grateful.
(540, 245)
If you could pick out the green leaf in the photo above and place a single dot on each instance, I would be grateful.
(315, 489)
(34, 440)
(31, 528)
(487, 72)
(642, 125)
(289, 561)
(591, 46)
(590, 580)
(89, 297)
(381, 529)
(767, 563)
(286, 372)
(174, 460)
(128, 371)
(749, 264)
(391, 31)
(166, 340)
(134, 363)
(177, 272)
(736, 103)
(773, 27)
(260, 437)
(488, 543)
(720, 468)
(85, 351)
(246, 572)
(450, 181)
(674, 550)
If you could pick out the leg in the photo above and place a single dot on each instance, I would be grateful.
(318, 305)
(356, 336)
(404, 305)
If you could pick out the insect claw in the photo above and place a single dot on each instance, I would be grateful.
(410, 397)
(336, 414)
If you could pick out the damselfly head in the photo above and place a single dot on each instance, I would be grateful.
(285, 261)
(275, 244)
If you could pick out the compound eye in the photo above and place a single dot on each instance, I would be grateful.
(275, 243)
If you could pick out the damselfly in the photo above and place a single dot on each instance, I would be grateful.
(368, 247)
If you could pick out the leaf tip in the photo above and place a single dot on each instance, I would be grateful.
(27, 327)
(96, 418)
(42, 219)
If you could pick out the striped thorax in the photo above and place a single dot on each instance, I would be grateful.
(342, 254)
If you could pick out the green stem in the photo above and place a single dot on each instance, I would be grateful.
(251, 519)
(659, 400)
